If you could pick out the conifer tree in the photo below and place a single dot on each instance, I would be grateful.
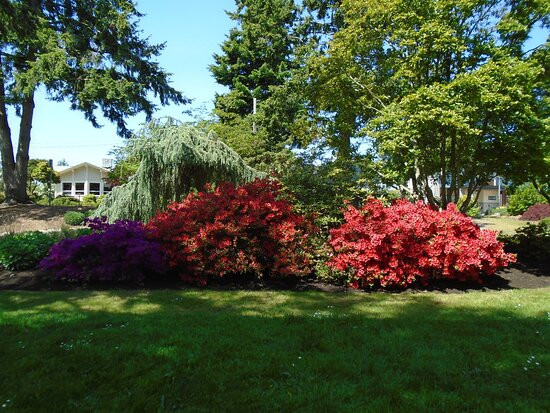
(173, 160)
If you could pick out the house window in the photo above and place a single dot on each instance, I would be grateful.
(67, 188)
(492, 198)
(106, 188)
(79, 188)
(94, 188)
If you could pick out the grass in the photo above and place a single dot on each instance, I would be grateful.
(205, 350)
(506, 225)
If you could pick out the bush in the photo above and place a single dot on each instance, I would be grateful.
(410, 242)
(89, 201)
(23, 251)
(536, 212)
(74, 218)
(524, 196)
(112, 252)
(65, 201)
(531, 243)
(501, 210)
(244, 230)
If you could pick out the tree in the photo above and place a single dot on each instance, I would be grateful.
(256, 62)
(89, 53)
(173, 160)
(62, 162)
(40, 174)
(442, 89)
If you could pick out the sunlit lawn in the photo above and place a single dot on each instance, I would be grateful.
(506, 225)
(212, 351)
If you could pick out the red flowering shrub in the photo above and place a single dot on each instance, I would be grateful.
(407, 242)
(243, 230)
(536, 212)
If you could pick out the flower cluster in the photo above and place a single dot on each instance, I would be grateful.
(113, 252)
(248, 229)
(408, 242)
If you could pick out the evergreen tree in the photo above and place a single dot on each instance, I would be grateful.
(173, 160)
(90, 53)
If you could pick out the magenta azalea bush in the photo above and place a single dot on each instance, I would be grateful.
(113, 252)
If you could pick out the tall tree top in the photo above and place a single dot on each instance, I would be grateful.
(90, 53)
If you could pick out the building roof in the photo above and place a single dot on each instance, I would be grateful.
(63, 169)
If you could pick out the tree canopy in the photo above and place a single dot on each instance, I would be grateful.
(441, 88)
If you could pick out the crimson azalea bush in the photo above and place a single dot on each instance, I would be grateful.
(410, 242)
(536, 212)
(121, 251)
(248, 229)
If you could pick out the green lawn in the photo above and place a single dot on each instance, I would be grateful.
(215, 351)
(507, 225)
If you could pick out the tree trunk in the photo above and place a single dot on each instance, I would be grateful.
(8, 162)
(443, 179)
(22, 160)
(541, 190)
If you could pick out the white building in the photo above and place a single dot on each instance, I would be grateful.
(81, 179)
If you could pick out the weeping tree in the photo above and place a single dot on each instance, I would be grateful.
(174, 159)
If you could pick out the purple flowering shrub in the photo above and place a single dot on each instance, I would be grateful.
(120, 251)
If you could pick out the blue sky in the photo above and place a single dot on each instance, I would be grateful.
(192, 30)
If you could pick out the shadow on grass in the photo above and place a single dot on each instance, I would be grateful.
(198, 350)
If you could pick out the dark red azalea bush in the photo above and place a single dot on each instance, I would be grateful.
(113, 252)
(536, 212)
(234, 230)
(407, 242)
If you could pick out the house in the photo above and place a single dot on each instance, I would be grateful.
(82, 179)
(491, 195)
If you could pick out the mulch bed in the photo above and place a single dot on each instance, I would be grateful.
(515, 277)
(32, 217)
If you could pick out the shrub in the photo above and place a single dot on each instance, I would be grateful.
(410, 242)
(244, 230)
(112, 252)
(501, 210)
(90, 201)
(74, 218)
(23, 251)
(536, 212)
(65, 201)
(531, 243)
(524, 196)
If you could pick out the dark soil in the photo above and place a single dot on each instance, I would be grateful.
(516, 277)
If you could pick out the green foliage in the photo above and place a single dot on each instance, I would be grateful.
(433, 86)
(38, 178)
(523, 197)
(502, 211)
(25, 250)
(65, 201)
(174, 159)
(90, 201)
(531, 243)
(74, 218)
(91, 54)
(473, 211)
